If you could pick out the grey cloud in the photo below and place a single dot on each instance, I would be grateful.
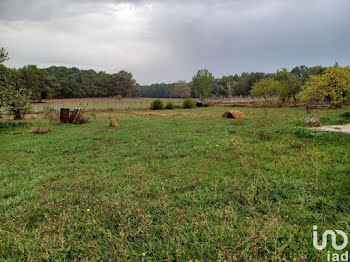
(169, 40)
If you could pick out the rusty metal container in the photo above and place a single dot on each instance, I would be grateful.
(64, 115)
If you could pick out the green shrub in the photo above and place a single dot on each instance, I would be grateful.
(188, 103)
(157, 104)
(263, 135)
(8, 124)
(333, 121)
(346, 115)
(304, 133)
(170, 105)
(17, 101)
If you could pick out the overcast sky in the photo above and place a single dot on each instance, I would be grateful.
(169, 40)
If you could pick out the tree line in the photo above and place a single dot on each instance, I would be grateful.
(20, 86)
(205, 85)
(63, 82)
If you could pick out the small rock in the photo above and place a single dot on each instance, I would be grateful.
(312, 121)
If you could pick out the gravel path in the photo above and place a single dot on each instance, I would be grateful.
(336, 129)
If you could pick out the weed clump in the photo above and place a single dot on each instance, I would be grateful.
(333, 121)
(264, 135)
(113, 123)
(8, 124)
(346, 115)
(157, 104)
(238, 122)
(188, 103)
(198, 129)
(302, 133)
(51, 113)
(40, 130)
(170, 105)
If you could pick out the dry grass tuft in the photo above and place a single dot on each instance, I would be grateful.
(51, 113)
(40, 130)
(198, 129)
(113, 123)
(238, 122)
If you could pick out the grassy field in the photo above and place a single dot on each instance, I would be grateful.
(103, 103)
(173, 185)
(92, 104)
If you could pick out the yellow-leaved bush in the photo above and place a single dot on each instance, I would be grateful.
(332, 86)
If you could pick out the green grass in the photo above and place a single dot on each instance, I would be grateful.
(92, 104)
(190, 186)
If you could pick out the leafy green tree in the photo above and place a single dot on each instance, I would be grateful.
(3, 55)
(303, 72)
(87, 83)
(289, 85)
(4, 75)
(265, 88)
(17, 101)
(103, 83)
(13, 95)
(40, 83)
(226, 86)
(30, 79)
(246, 82)
(50, 84)
(68, 81)
(181, 90)
(135, 91)
(202, 83)
(123, 84)
(161, 90)
(332, 85)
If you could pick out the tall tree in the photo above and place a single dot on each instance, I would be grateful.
(202, 82)
(38, 81)
(181, 90)
(161, 90)
(3, 55)
(13, 95)
(289, 85)
(87, 83)
(265, 88)
(123, 84)
(303, 72)
(246, 82)
(226, 85)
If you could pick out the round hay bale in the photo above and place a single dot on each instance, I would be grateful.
(234, 114)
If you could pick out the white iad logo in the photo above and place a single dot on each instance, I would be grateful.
(334, 239)
(332, 256)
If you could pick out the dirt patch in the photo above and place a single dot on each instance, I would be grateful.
(345, 129)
